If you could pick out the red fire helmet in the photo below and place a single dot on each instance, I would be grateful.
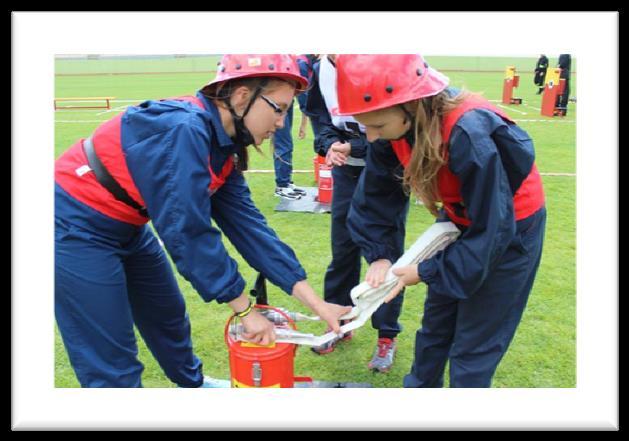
(281, 66)
(372, 82)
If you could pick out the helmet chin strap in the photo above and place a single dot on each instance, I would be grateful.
(243, 136)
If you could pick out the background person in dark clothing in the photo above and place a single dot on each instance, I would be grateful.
(343, 142)
(540, 72)
(564, 64)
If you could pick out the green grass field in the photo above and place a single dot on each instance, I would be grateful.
(543, 352)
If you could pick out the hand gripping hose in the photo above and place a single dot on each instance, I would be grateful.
(366, 298)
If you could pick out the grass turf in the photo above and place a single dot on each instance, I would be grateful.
(543, 352)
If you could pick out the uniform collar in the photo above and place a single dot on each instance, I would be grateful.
(221, 135)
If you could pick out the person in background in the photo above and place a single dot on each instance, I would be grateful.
(283, 140)
(540, 72)
(564, 63)
(306, 65)
(342, 140)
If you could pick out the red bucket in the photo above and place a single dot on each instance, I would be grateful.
(253, 365)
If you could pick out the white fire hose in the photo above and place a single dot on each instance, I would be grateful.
(366, 298)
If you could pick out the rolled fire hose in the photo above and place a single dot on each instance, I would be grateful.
(366, 298)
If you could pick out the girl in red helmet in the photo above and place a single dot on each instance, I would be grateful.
(177, 162)
(468, 163)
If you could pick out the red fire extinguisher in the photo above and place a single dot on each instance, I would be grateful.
(326, 183)
(317, 161)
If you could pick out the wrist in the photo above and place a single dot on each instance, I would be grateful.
(244, 313)
(240, 303)
(305, 294)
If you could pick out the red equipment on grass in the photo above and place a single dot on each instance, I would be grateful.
(511, 81)
(553, 89)
(326, 183)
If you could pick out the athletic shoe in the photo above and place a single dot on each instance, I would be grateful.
(287, 193)
(383, 357)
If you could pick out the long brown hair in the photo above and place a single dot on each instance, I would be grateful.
(420, 176)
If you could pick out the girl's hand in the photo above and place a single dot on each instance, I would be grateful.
(377, 272)
(258, 329)
(329, 312)
(408, 276)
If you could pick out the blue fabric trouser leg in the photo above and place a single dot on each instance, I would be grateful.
(316, 128)
(385, 319)
(562, 100)
(108, 277)
(283, 151)
(159, 312)
(343, 273)
(475, 333)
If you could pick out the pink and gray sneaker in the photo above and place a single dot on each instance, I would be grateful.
(382, 359)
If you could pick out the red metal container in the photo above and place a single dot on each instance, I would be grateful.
(316, 161)
(253, 365)
(326, 183)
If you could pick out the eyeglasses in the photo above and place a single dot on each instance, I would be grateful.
(277, 109)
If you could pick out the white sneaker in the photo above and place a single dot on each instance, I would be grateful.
(215, 383)
(299, 191)
(287, 193)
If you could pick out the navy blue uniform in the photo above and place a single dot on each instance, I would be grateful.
(283, 138)
(478, 287)
(110, 275)
(564, 63)
(343, 273)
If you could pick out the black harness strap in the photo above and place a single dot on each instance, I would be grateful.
(107, 181)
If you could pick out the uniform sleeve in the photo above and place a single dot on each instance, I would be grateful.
(328, 135)
(359, 145)
(170, 170)
(314, 100)
(302, 98)
(247, 229)
(316, 109)
(460, 269)
(379, 205)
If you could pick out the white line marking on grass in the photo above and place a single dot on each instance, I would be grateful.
(81, 121)
(536, 108)
(68, 110)
(510, 108)
(546, 120)
(273, 171)
(524, 104)
(123, 107)
(115, 109)
(310, 171)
